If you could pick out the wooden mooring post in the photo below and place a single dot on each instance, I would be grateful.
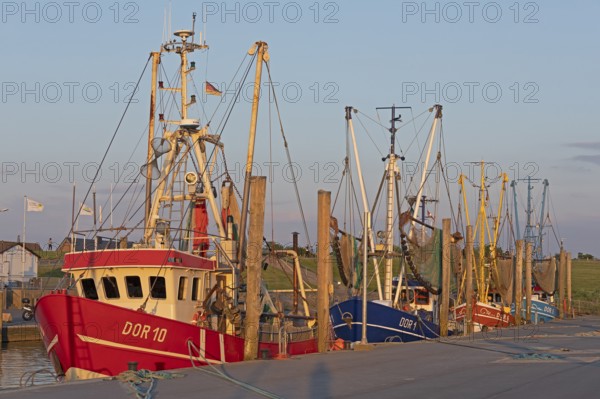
(561, 283)
(445, 300)
(528, 264)
(324, 272)
(1, 311)
(258, 186)
(518, 283)
(569, 298)
(469, 281)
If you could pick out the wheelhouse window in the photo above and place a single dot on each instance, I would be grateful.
(422, 297)
(182, 291)
(111, 290)
(89, 288)
(195, 284)
(134, 287)
(407, 296)
(158, 288)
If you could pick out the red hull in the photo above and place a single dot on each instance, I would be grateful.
(486, 315)
(88, 335)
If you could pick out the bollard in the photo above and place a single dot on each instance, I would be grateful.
(264, 354)
(132, 366)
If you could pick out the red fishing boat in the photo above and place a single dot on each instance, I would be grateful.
(488, 311)
(177, 296)
(486, 315)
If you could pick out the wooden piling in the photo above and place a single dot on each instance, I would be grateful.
(295, 274)
(445, 300)
(561, 283)
(323, 266)
(258, 186)
(569, 298)
(528, 264)
(469, 281)
(1, 311)
(518, 283)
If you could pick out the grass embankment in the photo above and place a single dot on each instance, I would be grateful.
(50, 266)
(585, 280)
(585, 276)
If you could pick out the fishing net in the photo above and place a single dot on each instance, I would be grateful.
(426, 257)
(544, 273)
(345, 247)
(350, 256)
(503, 279)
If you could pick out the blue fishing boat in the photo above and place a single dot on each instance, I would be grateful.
(543, 270)
(541, 311)
(401, 312)
(384, 323)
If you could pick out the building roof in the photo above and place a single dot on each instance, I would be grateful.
(32, 247)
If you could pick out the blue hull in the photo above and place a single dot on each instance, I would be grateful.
(384, 324)
(540, 311)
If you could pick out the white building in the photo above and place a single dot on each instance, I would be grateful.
(12, 267)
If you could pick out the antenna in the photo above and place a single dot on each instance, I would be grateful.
(164, 25)
(193, 25)
(170, 16)
(204, 31)
(393, 128)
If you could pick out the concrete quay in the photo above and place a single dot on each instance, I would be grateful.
(554, 360)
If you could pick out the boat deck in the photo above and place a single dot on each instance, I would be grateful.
(558, 359)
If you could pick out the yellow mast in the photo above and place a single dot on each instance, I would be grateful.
(481, 229)
(148, 205)
(496, 231)
(262, 55)
(481, 218)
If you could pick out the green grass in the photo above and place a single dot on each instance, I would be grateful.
(50, 267)
(585, 284)
(275, 278)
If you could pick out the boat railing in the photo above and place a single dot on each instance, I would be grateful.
(283, 340)
(180, 242)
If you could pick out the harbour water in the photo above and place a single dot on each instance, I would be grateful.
(18, 360)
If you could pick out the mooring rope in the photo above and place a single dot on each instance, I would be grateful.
(219, 374)
(143, 381)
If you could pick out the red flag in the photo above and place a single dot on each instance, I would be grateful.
(430, 216)
(210, 89)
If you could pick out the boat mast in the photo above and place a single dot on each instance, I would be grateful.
(538, 249)
(513, 184)
(481, 219)
(496, 231)
(437, 117)
(370, 238)
(260, 48)
(392, 172)
(528, 228)
(155, 62)
(187, 134)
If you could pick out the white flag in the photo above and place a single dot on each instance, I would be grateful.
(86, 211)
(34, 206)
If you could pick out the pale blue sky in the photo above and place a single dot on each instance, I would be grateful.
(542, 56)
